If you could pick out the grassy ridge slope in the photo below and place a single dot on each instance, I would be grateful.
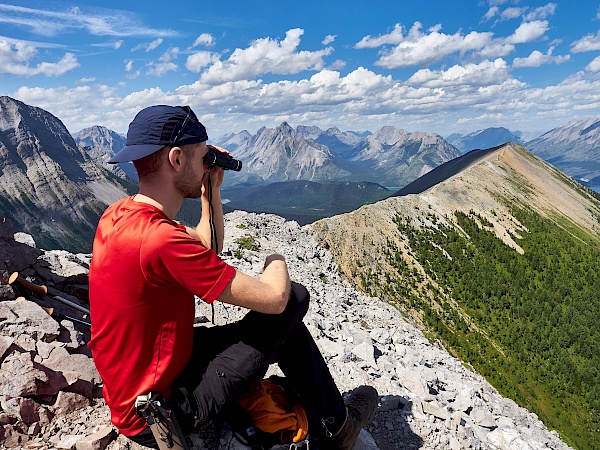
(499, 262)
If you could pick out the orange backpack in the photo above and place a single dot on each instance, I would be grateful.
(271, 411)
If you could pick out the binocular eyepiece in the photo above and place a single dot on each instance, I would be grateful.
(215, 158)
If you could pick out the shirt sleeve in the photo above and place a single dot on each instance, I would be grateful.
(170, 256)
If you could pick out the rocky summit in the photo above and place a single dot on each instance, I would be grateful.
(50, 391)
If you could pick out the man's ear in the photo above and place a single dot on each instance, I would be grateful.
(176, 158)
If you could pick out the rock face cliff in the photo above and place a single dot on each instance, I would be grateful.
(49, 397)
(49, 187)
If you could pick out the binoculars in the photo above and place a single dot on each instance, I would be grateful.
(215, 158)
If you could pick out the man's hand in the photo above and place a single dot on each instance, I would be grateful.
(215, 174)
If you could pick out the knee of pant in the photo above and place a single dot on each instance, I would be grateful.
(241, 363)
(301, 296)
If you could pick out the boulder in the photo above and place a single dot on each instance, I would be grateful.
(18, 318)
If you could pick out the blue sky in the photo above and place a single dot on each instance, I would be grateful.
(438, 66)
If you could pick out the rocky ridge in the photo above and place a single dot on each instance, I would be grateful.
(50, 395)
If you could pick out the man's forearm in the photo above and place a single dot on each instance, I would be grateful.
(276, 274)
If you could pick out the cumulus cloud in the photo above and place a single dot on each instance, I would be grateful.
(16, 56)
(103, 22)
(512, 13)
(528, 32)
(537, 59)
(369, 99)
(594, 65)
(196, 62)
(541, 12)
(396, 36)
(161, 68)
(526, 13)
(482, 74)
(165, 63)
(492, 12)
(418, 48)
(205, 39)
(337, 64)
(266, 56)
(328, 39)
(587, 43)
(148, 46)
(118, 44)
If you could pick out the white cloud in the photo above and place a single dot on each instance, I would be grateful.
(360, 100)
(492, 12)
(537, 58)
(541, 12)
(594, 65)
(328, 39)
(85, 80)
(16, 56)
(103, 23)
(266, 56)
(527, 13)
(165, 63)
(528, 32)
(587, 43)
(473, 75)
(418, 48)
(170, 54)
(480, 118)
(205, 39)
(196, 62)
(337, 64)
(129, 65)
(394, 37)
(148, 46)
(160, 69)
(512, 13)
(117, 45)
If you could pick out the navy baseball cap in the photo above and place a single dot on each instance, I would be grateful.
(156, 126)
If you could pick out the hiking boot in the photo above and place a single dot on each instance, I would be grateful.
(360, 407)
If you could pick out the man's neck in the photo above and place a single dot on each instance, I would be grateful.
(170, 208)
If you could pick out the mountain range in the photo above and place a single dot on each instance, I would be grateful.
(388, 157)
(574, 148)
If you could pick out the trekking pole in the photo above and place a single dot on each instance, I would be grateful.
(43, 291)
(57, 316)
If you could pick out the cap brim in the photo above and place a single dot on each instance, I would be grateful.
(133, 152)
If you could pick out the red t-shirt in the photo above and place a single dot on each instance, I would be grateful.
(144, 273)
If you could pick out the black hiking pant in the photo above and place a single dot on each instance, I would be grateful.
(227, 360)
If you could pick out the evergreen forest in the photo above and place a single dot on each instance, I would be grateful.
(530, 323)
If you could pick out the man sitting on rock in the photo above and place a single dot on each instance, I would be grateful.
(146, 269)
